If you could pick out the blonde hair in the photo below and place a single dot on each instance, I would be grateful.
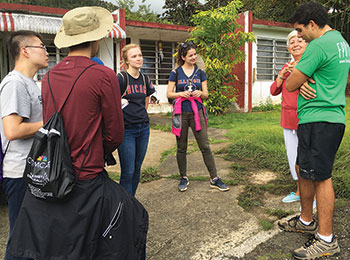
(292, 34)
(125, 50)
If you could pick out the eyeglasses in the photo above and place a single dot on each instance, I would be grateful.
(185, 45)
(41, 47)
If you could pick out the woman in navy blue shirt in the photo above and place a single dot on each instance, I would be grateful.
(188, 86)
(135, 88)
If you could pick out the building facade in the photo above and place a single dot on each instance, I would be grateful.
(158, 42)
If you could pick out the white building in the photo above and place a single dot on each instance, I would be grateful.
(158, 42)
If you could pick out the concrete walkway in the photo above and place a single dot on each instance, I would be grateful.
(201, 223)
(204, 223)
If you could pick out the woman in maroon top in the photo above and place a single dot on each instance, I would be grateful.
(289, 118)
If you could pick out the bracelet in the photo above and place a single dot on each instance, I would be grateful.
(278, 75)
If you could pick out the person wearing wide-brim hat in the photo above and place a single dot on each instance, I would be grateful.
(99, 220)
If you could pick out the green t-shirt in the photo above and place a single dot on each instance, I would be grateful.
(327, 61)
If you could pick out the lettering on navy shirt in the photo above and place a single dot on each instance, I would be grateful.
(132, 89)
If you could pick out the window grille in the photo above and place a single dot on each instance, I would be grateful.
(271, 56)
(55, 56)
(158, 63)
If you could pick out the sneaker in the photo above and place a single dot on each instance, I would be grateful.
(291, 197)
(183, 184)
(315, 248)
(295, 225)
(218, 184)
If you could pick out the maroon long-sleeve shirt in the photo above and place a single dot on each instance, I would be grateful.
(92, 114)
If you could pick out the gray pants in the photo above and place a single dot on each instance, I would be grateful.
(202, 141)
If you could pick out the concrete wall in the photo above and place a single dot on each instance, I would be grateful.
(106, 53)
(261, 88)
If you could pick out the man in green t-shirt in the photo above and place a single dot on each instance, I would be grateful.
(325, 62)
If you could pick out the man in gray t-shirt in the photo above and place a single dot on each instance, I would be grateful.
(20, 95)
(21, 114)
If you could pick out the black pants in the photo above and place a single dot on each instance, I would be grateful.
(202, 141)
(100, 221)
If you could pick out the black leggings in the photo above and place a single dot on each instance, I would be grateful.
(202, 141)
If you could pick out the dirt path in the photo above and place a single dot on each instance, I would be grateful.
(203, 223)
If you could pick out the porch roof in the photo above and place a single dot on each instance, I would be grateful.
(10, 22)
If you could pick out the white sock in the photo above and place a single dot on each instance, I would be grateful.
(304, 222)
(328, 239)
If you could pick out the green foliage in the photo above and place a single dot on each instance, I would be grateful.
(65, 4)
(149, 174)
(190, 178)
(215, 4)
(265, 224)
(240, 174)
(266, 107)
(280, 186)
(281, 11)
(251, 197)
(218, 40)
(180, 12)
(216, 141)
(273, 10)
(238, 168)
(114, 175)
(218, 103)
(340, 17)
(279, 213)
(258, 138)
(143, 13)
(162, 127)
(165, 154)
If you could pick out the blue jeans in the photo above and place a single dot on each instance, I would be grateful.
(131, 153)
(14, 190)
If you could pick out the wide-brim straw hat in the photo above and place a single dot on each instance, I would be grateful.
(83, 24)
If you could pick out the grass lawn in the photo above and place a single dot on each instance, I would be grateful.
(258, 137)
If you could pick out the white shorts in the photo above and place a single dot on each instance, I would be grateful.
(291, 144)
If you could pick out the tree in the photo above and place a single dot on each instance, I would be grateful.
(65, 4)
(281, 11)
(273, 10)
(215, 4)
(144, 12)
(181, 12)
(339, 16)
(218, 38)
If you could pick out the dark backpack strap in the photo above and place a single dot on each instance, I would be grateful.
(125, 77)
(7, 146)
(146, 81)
(48, 81)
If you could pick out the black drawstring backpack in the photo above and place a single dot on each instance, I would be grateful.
(49, 173)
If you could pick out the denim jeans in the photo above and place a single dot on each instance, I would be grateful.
(14, 189)
(131, 153)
